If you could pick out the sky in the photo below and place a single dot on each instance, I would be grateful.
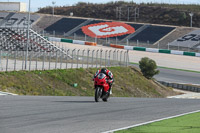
(35, 4)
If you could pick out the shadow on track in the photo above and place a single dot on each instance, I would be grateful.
(75, 101)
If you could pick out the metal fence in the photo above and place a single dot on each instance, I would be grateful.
(75, 58)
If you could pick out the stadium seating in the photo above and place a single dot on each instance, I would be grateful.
(64, 25)
(15, 39)
(152, 34)
(15, 19)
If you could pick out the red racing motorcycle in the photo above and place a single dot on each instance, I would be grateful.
(101, 87)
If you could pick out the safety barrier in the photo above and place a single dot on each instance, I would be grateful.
(154, 50)
(55, 39)
(186, 87)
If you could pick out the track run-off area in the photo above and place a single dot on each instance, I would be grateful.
(163, 60)
(48, 114)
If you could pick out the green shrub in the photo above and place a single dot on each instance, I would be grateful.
(148, 67)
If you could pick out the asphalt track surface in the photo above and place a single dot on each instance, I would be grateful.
(34, 114)
(177, 76)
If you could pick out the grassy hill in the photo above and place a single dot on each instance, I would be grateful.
(167, 14)
(129, 82)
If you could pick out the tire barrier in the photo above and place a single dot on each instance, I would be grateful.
(186, 87)
(55, 39)
(154, 50)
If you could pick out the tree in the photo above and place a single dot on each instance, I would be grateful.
(148, 67)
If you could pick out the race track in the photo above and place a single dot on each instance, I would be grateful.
(34, 114)
(177, 76)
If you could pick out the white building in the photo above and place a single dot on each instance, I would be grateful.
(13, 6)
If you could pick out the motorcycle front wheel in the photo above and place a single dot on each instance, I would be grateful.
(98, 93)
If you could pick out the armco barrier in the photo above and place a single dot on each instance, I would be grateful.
(186, 87)
(154, 50)
(66, 40)
(116, 46)
(55, 39)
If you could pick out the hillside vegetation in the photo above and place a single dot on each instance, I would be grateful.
(166, 14)
(129, 82)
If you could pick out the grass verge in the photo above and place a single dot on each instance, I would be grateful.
(183, 124)
(129, 82)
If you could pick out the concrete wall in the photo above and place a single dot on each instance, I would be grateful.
(13, 6)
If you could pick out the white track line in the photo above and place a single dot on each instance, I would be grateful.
(6, 93)
(111, 131)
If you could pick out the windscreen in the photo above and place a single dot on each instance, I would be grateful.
(101, 76)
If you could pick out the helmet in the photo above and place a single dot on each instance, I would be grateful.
(103, 70)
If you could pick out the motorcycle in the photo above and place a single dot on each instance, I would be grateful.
(101, 87)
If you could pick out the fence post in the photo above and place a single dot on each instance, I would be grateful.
(100, 56)
(82, 56)
(49, 60)
(88, 51)
(127, 59)
(77, 57)
(137, 43)
(14, 62)
(72, 58)
(127, 41)
(56, 59)
(117, 56)
(7, 62)
(36, 61)
(105, 57)
(92, 57)
(43, 60)
(109, 57)
(30, 62)
(97, 57)
(120, 57)
(67, 57)
(23, 61)
(61, 57)
(114, 53)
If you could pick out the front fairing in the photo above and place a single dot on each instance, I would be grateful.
(101, 80)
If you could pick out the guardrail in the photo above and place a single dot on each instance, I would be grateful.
(154, 50)
(186, 87)
(55, 39)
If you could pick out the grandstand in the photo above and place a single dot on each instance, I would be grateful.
(13, 34)
(147, 35)
(11, 19)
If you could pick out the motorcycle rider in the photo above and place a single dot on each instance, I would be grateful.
(109, 74)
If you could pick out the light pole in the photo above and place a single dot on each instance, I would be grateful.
(53, 2)
(191, 15)
(28, 36)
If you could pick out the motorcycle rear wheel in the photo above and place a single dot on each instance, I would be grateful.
(106, 98)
